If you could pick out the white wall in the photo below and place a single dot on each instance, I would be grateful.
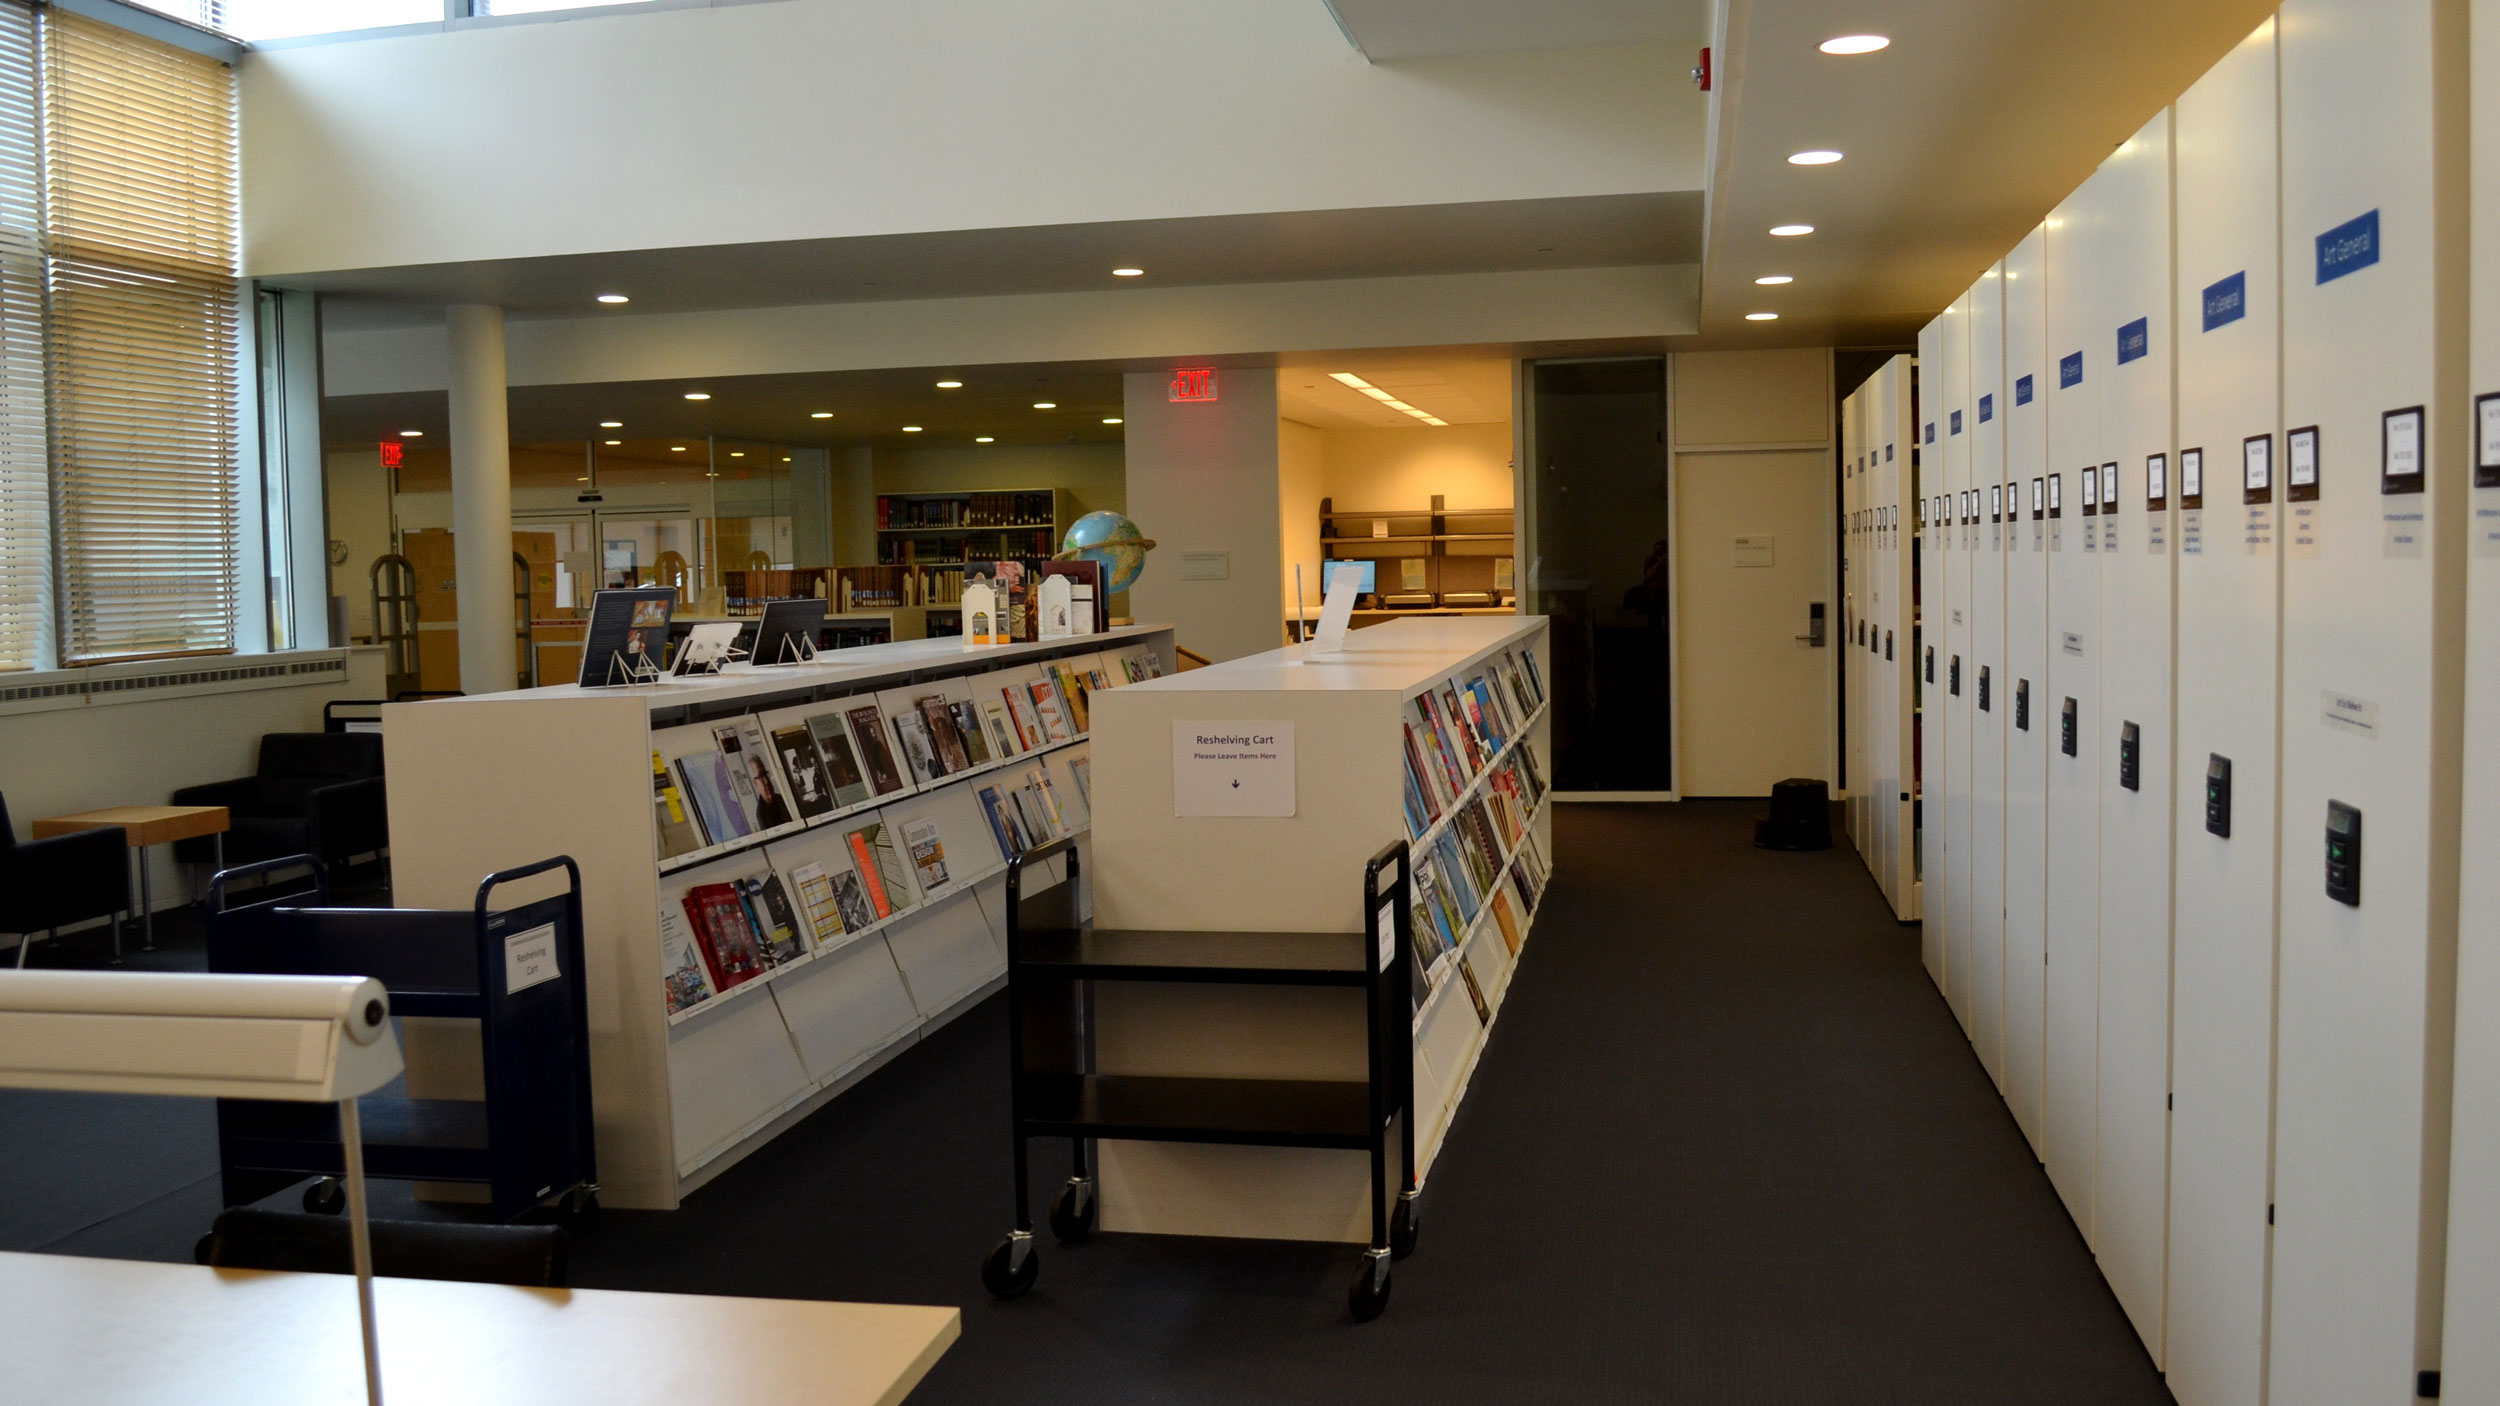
(1202, 478)
(812, 119)
(359, 491)
(1094, 475)
(1469, 465)
(1301, 476)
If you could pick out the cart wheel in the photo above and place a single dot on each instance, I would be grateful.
(1012, 1267)
(1370, 1293)
(579, 1210)
(1072, 1213)
(1404, 1225)
(325, 1197)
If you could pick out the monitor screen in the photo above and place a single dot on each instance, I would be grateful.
(1370, 569)
(787, 633)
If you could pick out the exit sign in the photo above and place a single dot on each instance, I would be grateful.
(390, 453)
(1193, 383)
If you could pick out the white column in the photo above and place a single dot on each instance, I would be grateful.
(1202, 482)
(481, 500)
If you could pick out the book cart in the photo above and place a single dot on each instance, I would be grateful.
(691, 1067)
(1244, 887)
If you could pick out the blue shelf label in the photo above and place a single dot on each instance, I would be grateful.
(1957, 421)
(2348, 248)
(1987, 408)
(2070, 371)
(2022, 390)
(2134, 340)
(2226, 301)
(1931, 432)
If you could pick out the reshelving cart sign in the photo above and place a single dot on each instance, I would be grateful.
(1232, 767)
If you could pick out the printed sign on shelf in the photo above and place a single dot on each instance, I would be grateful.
(529, 958)
(1232, 767)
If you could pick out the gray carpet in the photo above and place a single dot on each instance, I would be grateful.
(1727, 1145)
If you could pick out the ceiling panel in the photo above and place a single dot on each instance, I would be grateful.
(1386, 30)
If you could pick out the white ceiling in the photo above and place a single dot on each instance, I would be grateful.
(1387, 30)
(1462, 389)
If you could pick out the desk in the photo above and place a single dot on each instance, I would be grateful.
(123, 1331)
(143, 826)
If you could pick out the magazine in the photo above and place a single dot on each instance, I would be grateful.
(868, 731)
(683, 976)
(679, 833)
(768, 906)
(1003, 828)
(928, 854)
(945, 740)
(1020, 711)
(862, 844)
(704, 776)
(968, 727)
(1054, 723)
(842, 773)
(722, 929)
(751, 770)
(1002, 730)
(850, 899)
(817, 904)
(919, 749)
(810, 791)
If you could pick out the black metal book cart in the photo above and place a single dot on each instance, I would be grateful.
(1053, 961)
(516, 971)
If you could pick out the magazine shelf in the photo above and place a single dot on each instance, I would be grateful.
(694, 1065)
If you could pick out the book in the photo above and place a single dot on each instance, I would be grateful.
(1081, 771)
(776, 922)
(1475, 993)
(1529, 891)
(893, 866)
(679, 833)
(1504, 919)
(810, 790)
(684, 978)
(842, 771)
(1021, 712)
(1002, 823)
(704, 778)
(928, 854)
(868, 731)
(1002, 730)
(1054, 723)
(918, 749)
(864, 860)
(817, 903)
(721, 927)
(937, 715)
(751, 772)
(969, 729)
(850, 898)
(1072, 696)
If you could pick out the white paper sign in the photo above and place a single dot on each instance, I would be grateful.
(529, 958)
(1232, 766)
(1336, 611)
(1756, 550)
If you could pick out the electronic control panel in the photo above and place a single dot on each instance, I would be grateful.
(2218, 795)
(2130, 737)
(2343, 853)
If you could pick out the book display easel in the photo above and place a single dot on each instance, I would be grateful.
(788, 873)
(1432, 730)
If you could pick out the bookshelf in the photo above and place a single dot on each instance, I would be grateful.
(945, 528)
(680, 1095)
(1233, 877)
(1458, 557)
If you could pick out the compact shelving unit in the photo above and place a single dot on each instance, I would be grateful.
(486, 783)
(1236, 883)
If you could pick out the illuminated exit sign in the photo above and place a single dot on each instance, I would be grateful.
(1193, 383)
(390, 454)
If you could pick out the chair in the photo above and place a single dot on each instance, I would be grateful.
(316, 793)
(533, 1256)
(46, 885)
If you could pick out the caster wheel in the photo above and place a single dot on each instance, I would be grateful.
(1012, 1267)
(1404, 1225)
(1370, 1293)
(579, 1210)
(1072, 1213)
(326, 1197)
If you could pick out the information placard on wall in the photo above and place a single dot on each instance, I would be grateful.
(1232, 767)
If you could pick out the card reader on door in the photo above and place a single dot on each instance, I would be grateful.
(1953, 676)
(2129, 738)
(2343, 853)
(2022, 705)
(1983, 688)
(2066, 739)
(2218, 795)
(1931, 663)
(1887, 646)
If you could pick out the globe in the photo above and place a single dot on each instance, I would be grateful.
(1112, 540)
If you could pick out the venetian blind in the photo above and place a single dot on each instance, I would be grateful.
(25, 493)
(139, 199)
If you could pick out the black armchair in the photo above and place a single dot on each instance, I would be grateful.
(316, 793)
(50, 884)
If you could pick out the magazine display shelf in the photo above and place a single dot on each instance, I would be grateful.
(482, 783)
(1155, 870)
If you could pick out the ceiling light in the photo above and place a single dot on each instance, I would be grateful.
(1128, 273)
(1045, 405)
(785, 458)
(1814, 158)
(1855, 44)
(698, 395)
(820, 414)
(950, 385)
(411, 434)
(1785, 231)
(611, 441)
(614, 298)
(911, 429)
(1349, 378)
(1377, 393)
(737, 453)
(1436, 420)
(611, 424)
(1111, 420)
(1399, 405)
(1773, 280)
(677, 449)
(1762, 317)
(984, 439)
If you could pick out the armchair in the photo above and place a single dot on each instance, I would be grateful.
(46, 885)
(316, 793)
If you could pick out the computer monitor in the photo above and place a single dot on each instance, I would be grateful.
(1370, 569)
(787, 633)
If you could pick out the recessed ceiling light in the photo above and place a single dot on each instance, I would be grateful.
(785, 458)
(1111, 420)
(820, 414)
(1786, 231)
(1128, 273)
(614, 298)
(737, 453)
(677, 449)
(911, 429)
(1348, 378)
(1398, 405)
(1436, 421)
(1377, 393)
(984, 439)
(1045, 405)
(411, 434)
(611, 424)
(1855, 44)
(1773, 280)
(1762, 317)
(698, 395)
(611, 441)
(950, 385)
(1813, 158)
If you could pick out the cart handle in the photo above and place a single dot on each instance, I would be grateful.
(1395, 850)
(1036, 854)
(216, 901)
(487, 885)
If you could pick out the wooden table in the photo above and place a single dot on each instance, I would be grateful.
(123, 1331)
(142, 827)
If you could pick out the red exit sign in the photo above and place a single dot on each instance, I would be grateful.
(1194, 383)
(390, 453)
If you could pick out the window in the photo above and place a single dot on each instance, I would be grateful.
(284, 19)
(139, 202)
(25, 488)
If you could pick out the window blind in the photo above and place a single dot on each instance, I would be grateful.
(25, 492)
(139, 200)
